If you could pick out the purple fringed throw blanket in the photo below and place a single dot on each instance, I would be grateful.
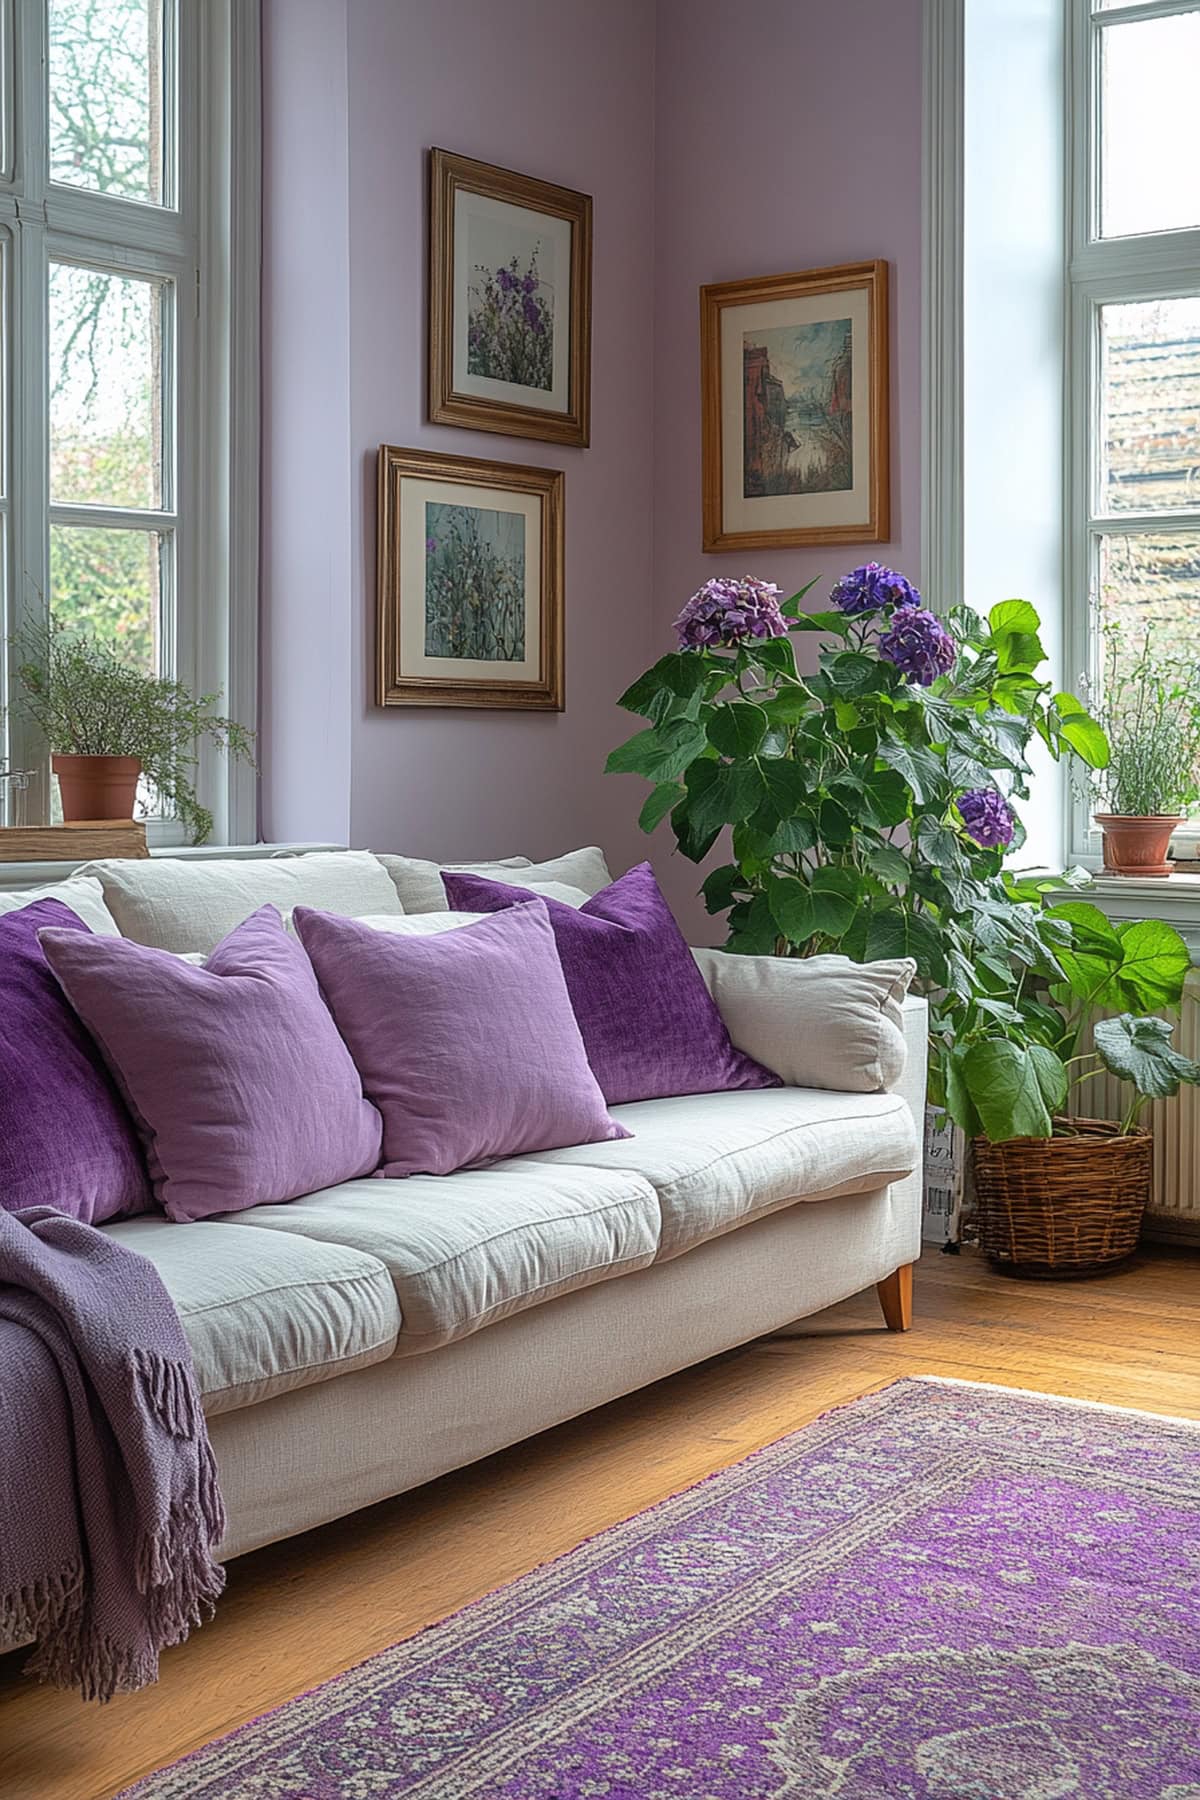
(109, 1503)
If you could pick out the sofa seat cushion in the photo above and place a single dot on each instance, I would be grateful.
(468, 1249)
(718, 1160)
(263, 1312)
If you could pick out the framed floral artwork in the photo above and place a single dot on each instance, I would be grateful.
(470, 582)
(794, 409)
(510, 302)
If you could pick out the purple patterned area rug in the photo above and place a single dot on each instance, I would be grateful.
(941, 1592)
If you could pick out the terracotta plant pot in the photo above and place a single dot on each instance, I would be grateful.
(1138, 844)
(97, 787)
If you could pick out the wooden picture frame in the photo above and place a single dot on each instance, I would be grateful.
(510, 302)
(469, 583)
(794, 409)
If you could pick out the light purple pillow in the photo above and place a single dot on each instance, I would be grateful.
(649, 1024)
(66, 1138)
(465, 1041)
(235, 1074)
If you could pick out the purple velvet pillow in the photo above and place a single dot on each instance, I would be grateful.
(239, 1083)
(649, 1023)
(66, 1139)
(465, 1040)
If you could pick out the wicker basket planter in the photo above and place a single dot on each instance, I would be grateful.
(1063, 1206)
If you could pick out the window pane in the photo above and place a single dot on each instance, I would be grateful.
(106, 96)
(1151, 580)
(1149, 168)
(1150, 399)
(108, 583)
(106, 388)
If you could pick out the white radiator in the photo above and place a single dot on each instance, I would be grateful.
(1175, 1192)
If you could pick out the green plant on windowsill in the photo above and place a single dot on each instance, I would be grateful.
(1150, 711)
(87, 703)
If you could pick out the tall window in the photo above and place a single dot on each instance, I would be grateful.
(1134, 387)
(118, 200)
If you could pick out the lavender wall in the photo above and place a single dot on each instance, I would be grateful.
(788, 137)
(718, 140)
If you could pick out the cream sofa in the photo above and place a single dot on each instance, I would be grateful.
(357, 1342)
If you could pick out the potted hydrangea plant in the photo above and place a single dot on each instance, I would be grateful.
(871, 803)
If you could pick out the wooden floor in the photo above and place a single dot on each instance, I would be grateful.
(301, 1611)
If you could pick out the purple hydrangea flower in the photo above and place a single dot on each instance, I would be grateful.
(731, 612)
(919, 645)
(872, 588)
(987, 817)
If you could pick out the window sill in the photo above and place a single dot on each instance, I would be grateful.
(1175, 899)
(16, 876)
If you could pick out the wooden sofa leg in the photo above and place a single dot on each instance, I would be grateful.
(895, 1297)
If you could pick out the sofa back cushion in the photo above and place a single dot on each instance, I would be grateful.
(82, 893)
(235, 1074)
(649, 1023)
(66, 1138)
(572, 878)
(465, 1040)
(191, 903)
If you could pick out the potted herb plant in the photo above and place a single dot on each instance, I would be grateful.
(871, 804)
(1151, 715)
(110, 725)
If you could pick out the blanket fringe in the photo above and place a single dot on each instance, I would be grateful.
(42, 1605)
(169, 1389)
(95, 1665)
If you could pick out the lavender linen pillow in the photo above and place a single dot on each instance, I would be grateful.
(66, 1139)
(649, 1024)
(239, 1083)
(465, 1040)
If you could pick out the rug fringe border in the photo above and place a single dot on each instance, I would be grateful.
(1023, 1393)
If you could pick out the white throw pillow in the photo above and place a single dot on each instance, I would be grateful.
(419, 883)
(82, 893)
(181, 903)
(817, 1021)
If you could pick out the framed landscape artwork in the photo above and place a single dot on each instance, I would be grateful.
(470, 583)
(510, 301)
(794, 409)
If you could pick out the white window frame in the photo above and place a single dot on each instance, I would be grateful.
(1155, 266)
(209, 246)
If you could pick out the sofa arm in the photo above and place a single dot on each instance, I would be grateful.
(819, 1021)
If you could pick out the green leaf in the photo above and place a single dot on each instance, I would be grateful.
(680, 673)
(788, 706)
(1155, 962)
(786, 785)
(898, 933)
(737, 729)
(1081, 731)
(752, 930)
(1014, 627)
(777, 654)
(721, 887)
(834, 622)
(884, 798)
(835, 897)
(658, 804)
(1140, 1050)
(959, 1104)
(851, 672)
(1014, 615)
(920, 768)
(888, 863)
(661, 754)
(792, 908)
(1012, 1087)
(834, 823)
(730, 795)
(792, 607)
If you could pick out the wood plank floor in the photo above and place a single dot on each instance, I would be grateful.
(304, 1610)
